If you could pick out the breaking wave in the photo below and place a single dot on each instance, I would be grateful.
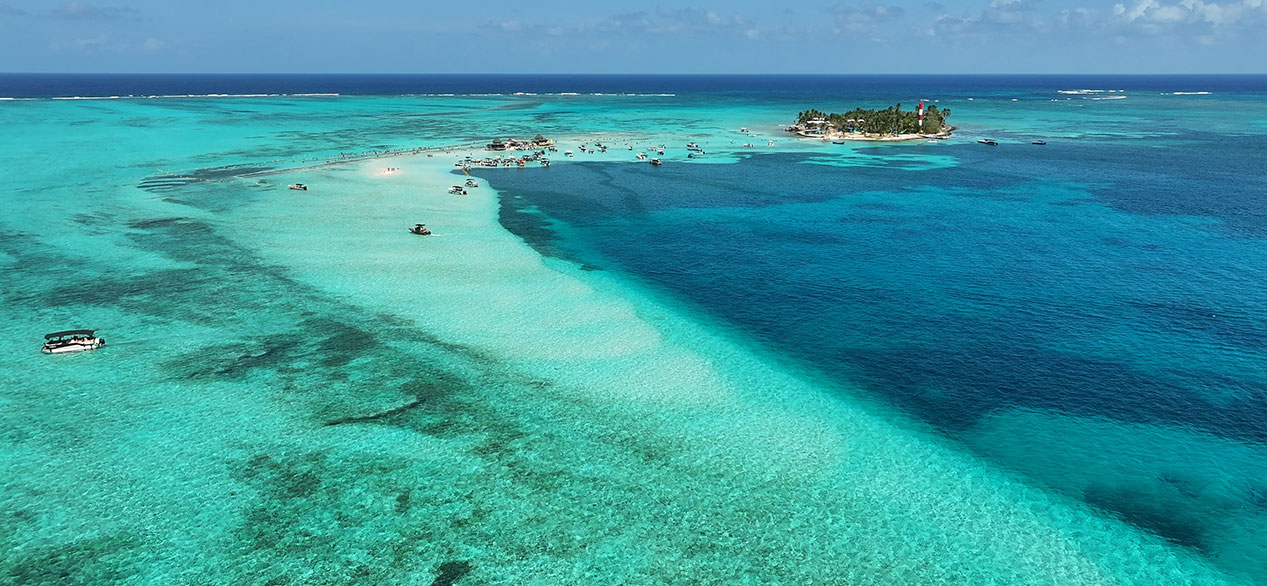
(332, 95)
(188, 96)
(1085, 92)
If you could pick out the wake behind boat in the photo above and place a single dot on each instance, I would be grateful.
(71, 341)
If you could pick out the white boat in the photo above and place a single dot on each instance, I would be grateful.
(298, 186)
(656, 162)
(71, 341)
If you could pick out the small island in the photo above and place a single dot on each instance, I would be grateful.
(890, 124)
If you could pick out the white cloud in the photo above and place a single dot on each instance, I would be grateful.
(1080, 19)
(89, 43)
(999, 16)
(662, 21)
(1213, 14)
(80, 11)
(863, 17)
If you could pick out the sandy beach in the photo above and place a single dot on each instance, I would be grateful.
(865, 137)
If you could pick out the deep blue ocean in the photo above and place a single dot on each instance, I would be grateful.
(1088, 315)
(35, 85)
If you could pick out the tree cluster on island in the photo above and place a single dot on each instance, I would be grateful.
(891, 120)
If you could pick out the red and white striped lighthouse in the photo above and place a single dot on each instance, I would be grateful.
(921, 116)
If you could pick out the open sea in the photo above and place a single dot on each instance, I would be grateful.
(784, 362)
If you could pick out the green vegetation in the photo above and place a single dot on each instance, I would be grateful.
(889, 120)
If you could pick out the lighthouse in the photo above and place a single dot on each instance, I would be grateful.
(921, 117)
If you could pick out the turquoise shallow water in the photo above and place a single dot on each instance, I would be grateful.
(296, 391)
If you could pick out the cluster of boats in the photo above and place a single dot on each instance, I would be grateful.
(521, 161)
(659, 150)
(653, 161)
(461, 189)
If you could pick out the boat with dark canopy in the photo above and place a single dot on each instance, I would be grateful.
(71, 341)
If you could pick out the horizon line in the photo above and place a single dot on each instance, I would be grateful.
(629, 74)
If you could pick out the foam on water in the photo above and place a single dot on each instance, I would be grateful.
(1088, 91)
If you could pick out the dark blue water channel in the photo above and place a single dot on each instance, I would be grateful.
(1081, 280)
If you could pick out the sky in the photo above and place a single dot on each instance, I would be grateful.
(593, 36)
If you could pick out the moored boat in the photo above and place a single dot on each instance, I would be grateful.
(656, 162)
(988, 141)
(1039, 142)
(71, 341)
(298, 186)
